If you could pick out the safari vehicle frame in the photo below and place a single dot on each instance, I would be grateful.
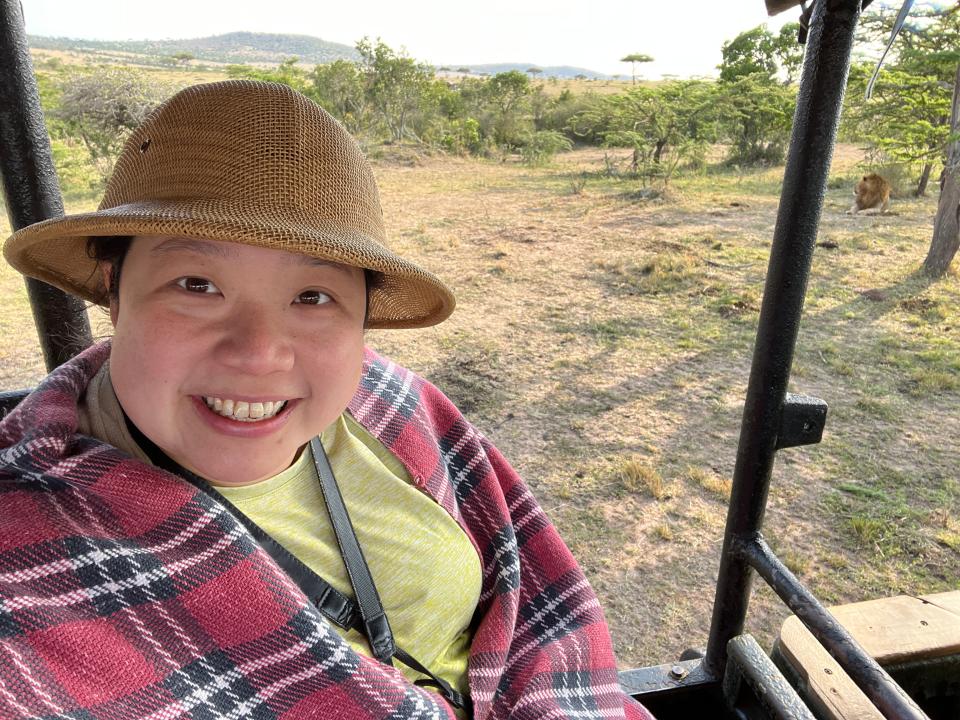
(734, 678)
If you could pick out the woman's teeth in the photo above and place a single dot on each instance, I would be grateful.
(244, 411)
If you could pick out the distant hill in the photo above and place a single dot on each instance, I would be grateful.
(557, 71)
(236, 47)
(262, 49)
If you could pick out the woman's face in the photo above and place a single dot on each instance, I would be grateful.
(231, 357)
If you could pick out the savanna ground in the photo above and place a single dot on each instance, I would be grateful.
(603, 342)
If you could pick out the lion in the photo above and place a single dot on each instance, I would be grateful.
(871, 195)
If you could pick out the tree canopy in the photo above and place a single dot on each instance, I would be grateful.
(907, 121)
(760, 52)
(633, 59)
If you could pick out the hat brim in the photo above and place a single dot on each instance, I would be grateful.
(55, 251)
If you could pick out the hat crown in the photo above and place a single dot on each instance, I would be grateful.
(247, 162)
(254, 144)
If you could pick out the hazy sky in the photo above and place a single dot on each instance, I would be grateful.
(684, 36)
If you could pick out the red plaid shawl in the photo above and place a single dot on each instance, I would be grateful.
(127, 593)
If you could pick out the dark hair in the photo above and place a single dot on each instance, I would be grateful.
(114, 250)
(111, 250)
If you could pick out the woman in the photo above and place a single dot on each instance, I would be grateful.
(175, 539)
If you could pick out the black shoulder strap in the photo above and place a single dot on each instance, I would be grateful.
(371, 608)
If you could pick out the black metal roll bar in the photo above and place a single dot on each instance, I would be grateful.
(773, 420)
(31, 185)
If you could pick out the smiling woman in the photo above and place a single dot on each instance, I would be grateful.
(233, 508)
(246, 325)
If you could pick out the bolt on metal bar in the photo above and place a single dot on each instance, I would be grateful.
(825, 70)
(876, 683)
(32, 191)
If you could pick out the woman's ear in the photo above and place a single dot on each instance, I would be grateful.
(106, 270)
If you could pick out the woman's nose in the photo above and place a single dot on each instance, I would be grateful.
(253, 341)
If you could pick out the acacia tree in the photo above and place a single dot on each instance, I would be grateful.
(664, 125)
(633, 59)
(395, 85)
(757, 106)
(759, 51)
(757, 117)
(507, 99)
(339, 87)
(101, 109)
(908, 118)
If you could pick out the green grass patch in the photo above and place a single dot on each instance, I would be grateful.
(877, 408)
(867, 530)
(927, 381)
(797, 562)
(610, 332)
(664, 273)
(863, 491)
(950, 538)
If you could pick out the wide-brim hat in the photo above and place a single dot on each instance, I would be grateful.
(247, 162)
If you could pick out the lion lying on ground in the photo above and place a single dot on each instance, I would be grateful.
(871, 195)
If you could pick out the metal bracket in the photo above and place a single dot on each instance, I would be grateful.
(659, 678)
(802, 419)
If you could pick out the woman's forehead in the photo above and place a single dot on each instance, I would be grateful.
(167, 245)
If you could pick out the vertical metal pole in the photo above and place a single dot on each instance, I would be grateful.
(31, 187)
(819, 101)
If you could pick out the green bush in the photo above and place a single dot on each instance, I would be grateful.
(540, 147)
(463, 137)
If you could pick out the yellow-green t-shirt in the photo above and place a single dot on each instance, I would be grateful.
(426, 570)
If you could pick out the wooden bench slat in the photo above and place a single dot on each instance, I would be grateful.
(892, 630)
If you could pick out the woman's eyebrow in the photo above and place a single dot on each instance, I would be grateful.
(227, 250)
(319, 262)
(201, 247)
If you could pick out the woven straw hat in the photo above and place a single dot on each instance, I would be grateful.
(247, 162)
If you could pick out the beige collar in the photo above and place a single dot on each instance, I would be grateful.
(101, 417)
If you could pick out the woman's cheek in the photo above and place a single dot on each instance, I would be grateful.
(156, 348)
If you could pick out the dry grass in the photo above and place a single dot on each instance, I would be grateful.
(553, 87)
(636, 475)
(711, 482)
(618, 393)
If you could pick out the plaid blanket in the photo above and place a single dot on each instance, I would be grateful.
(127, 593)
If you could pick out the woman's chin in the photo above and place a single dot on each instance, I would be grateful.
(238, 472)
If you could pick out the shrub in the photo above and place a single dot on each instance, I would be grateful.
(540, 147)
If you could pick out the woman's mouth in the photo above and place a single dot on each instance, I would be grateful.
(244, 411)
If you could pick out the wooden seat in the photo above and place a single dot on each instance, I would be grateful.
(892, 630)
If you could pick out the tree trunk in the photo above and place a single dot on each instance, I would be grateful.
(661, 144)
(946, 226)
(924, 179)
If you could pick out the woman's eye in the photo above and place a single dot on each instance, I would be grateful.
(312, 297)
(197, 285)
